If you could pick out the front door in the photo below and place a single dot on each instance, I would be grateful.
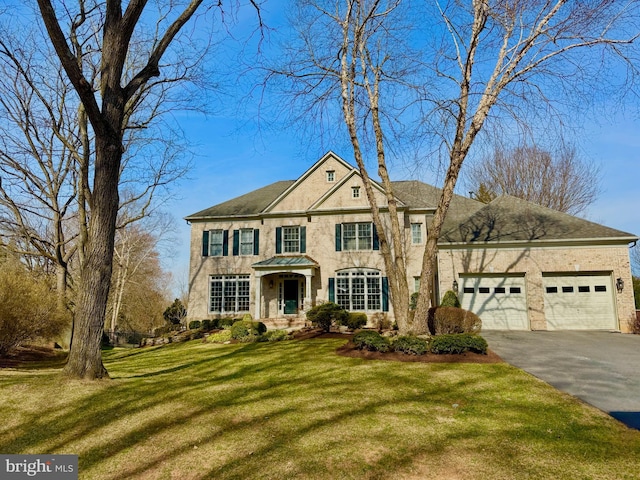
(290, 294)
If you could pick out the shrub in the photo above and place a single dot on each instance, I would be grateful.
(226, 322)
(410, 345)
(443, 320)
(457, 343)
(243, 328)
(194, 324)
(220, 337)
(206, 325)
(371, 340)
(275, 336)
(450, 299)
(356, 320)
(326, 314)
(28, 307)
(175, 313)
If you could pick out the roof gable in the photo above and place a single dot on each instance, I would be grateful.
(341, 196)
(312, 185)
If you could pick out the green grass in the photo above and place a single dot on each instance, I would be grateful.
(296, 410)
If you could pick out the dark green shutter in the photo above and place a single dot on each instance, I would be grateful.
(376, 240)
(225, 243)
(278, 239)
(236, 242)
(338, 237)
(205, 243)
(303, 239)
(332, 290)
(256, 241)
(385, 294)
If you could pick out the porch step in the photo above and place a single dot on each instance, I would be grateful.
(282, 323)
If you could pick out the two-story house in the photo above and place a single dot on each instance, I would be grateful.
(277, 251)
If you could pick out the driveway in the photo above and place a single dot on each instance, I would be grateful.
(600, 368)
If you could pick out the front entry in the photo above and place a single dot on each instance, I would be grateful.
(290, 296)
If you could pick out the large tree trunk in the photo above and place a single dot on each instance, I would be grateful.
(85, 356)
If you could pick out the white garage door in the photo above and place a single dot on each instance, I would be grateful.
(499, 301)
(579, 302)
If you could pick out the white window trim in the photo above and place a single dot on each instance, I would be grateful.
(358, 238)
(296, 240)
(367, 298)
(238, 280)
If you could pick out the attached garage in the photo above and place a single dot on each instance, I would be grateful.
(579, 302)
(500, 301)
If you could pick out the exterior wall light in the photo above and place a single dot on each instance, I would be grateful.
(455, 286)
(619, 284)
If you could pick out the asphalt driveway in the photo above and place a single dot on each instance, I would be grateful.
(600, 368)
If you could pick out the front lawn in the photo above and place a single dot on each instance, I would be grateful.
(296, 410)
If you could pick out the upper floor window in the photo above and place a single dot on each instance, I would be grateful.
(246, 241)
(356, 236)
(355, 192)
(416, 233)
(331, 176)
(291, 239)
(215, 243)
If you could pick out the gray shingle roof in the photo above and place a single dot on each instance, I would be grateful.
(251, 203)
(509, 219)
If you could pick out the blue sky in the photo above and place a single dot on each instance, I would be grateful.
(235, 153)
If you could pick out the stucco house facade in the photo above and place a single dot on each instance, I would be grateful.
(279, 250)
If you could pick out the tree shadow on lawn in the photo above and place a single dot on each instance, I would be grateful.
(261, 402)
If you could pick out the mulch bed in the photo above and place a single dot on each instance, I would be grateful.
(349, 350)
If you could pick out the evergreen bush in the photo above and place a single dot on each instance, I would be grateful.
(371, 340)
(326, 314)
(194, 324)
(356, 320)
(411, 345)
(458, 343)
(450, 299)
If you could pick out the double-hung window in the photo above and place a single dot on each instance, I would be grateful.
(246, 241)
(291, 239)
(356, 236)
(215, 243)
(229, 293)
(416, 233)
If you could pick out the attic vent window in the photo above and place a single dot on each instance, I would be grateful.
(331, 176)
(355, 192)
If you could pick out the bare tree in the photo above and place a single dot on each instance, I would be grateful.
(562, 181)
(109, 110)
(46, 157)
(506, 57)
(136, 264)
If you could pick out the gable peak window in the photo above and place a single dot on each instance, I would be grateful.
(331, 176)
(355, 192)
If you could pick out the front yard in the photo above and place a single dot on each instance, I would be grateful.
(294, 409)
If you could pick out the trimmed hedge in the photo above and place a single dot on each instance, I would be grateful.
(444, 320)
(356, 320)
(458, 343)
(371, 340)
(410, 345)
(194, 325)
(245, 328)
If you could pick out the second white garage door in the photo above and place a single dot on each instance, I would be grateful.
(579, 302)
(500, 302)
